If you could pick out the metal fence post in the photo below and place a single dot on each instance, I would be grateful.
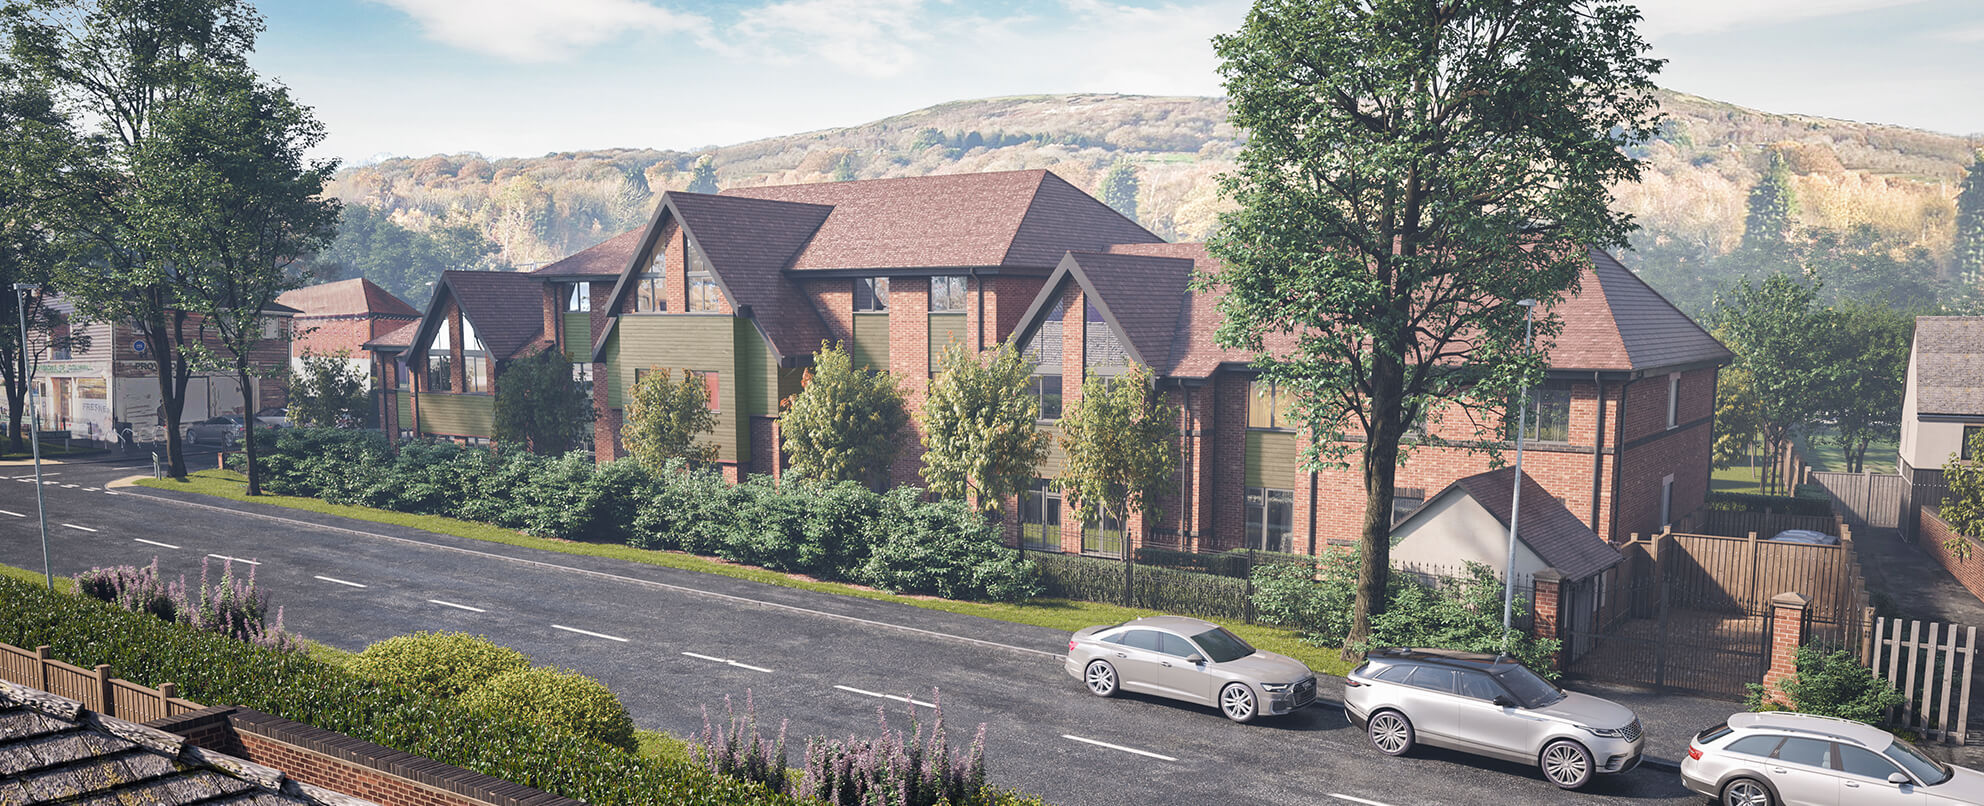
(1249, 605)
(1660, 643)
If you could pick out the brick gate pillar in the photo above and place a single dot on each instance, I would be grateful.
(1549, 622)
(1787, 633)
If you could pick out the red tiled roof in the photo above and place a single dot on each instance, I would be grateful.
(1618, 322)
(400, 337)
(1556, 535)
(354, 297)
(506, 307)
(607, 259)
(1011, 218)
(749, 242)
(1141, 294)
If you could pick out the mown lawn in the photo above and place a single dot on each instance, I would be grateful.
(1058, 614)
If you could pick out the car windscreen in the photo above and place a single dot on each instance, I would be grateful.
(1925, 769)
(1221, 646)
(1534, 691)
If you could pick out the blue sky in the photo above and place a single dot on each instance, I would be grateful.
(526, 77)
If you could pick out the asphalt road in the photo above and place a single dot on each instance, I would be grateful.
(671, 642)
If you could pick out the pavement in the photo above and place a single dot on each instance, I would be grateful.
(670, 642)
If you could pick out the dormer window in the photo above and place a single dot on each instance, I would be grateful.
(871, 295)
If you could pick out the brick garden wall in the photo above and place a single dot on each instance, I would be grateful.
(1931, 531)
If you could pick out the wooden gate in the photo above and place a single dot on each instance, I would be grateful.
(1649, 635)
(1933, 671)
(1865, 500)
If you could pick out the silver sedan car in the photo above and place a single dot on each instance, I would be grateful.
(1191, 660)
(1789, 759)
(1491, 706)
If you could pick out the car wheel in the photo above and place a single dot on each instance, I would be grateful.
(1100, 677)
(1238, 703)
(1746, 792)
(1566, 763)
(1390, 732)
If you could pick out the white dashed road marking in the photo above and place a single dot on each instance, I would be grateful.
(233, 559)
(154, 543)
(730, 662)
(866, 693)
(1357, 800)
(68, 486)
(1145, 753)
(590, 632)
(342, 582)
(15, 514)
(457, 606)
(81, 528)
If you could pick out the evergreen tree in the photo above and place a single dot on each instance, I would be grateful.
(1773, 206)
(702, 178)
(1119, 187)
(1970, 224)
(844, 168)
(540, 406)
(843, 424)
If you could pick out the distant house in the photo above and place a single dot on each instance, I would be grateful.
(475, 323)
(341, 317)
(1941, 407)
(1469, 522)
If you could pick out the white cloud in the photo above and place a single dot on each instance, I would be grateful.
(875, 38)
(1669, 17)
(1964, 35)
(537, 30)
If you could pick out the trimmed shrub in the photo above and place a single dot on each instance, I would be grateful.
(442, 664)
(1781, 504)
(1831, 683)
(943, 549)
(564, 700)
(1097, 579)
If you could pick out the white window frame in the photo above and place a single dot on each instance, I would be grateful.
(580, 300)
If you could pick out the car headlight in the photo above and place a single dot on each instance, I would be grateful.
(1606, 733)
(1276, 688)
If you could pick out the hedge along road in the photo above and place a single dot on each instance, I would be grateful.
(668, 642)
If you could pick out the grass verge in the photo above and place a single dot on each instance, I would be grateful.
(1058, 614)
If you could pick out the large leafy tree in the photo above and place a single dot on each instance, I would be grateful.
(702, 177)
(540, 406)
(224, 188)
(1775, 332)
(119, 63)
(1412, 169)
(1866, 351)
(1118, 439)
(327, 391)
(667, 418)
(979, 432)
(843, 424)
(1119, 187)
(1738, 418)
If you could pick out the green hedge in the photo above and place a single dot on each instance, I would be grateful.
(1094, 579)
(217, 670)
(1781, 504)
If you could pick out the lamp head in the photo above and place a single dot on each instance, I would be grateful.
(27, 286)
(1527, 303)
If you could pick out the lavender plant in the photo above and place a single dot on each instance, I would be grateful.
(138, 590)
(738, 751)
(230, 607)
(898, 768)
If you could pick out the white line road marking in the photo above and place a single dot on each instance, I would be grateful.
(713, 659)
(82, 528)
(51, 483)
(458, 606)
(15, 514)
(342, 582)
(154, 543)
(1146, 753)
(94, 489)
(68, 486)
(235, 559)
(44, 475)
(590, 632)
(867, 693)
(110, 492)
(133, 467)
(1056, 657)
(1357, 800)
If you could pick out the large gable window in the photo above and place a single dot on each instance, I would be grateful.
(647, 293)
(947, 294)
(475, 361)
(440, 361)
(871, 294)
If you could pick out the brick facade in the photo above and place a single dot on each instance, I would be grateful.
(1931, 533)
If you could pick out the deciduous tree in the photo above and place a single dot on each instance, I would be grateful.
(1970, 224)
(667, 418)
(702, 178)
(1775, 333)
(1412, 169)
(1118, 440)
(540, 406)
(327, 391)
(1866, 347)
(845, 422)
(979, 427)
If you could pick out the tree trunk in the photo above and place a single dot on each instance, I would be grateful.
(1380, 470)
(248, 427)
(171, 399)
(17, 389)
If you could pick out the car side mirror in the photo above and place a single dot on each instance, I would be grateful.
(1503, 701)
(1195, 658)
(1898, 778)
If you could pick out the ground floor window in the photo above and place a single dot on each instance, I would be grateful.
(1040, 517)
(1270, 519)
(1103, 535)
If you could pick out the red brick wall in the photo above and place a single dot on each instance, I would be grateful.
(909, 363)
(1931, 531)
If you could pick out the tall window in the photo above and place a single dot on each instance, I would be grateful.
(947, 294)
(440, 377)
(871, 294)
(1270, 406)
(475, 360)
(1549, 415)
(582, 377)
(699, 263)
(1666, 500)
(1673, 399)
(1103, 534)
(1969, 432)
(580, 298)
(1040, 517)
(1270, 519)
(647, 293)
(58, 338)
(1047, 390)
(703, 294)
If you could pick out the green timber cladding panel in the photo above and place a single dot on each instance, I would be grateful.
(701, 342)
(403, 400)
(578, 335)
(1272, 459)
(757, 371)
(871, 341)
(458, 415)
(946, 329)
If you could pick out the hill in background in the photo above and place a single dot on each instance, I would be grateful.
(1891, 189)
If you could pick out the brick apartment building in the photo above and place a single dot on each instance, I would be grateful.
(342, 316)
(743, 286)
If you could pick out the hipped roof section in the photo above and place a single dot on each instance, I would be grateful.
(506, 308)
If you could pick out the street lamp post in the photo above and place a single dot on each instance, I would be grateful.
(1515, 498)
(21, 292)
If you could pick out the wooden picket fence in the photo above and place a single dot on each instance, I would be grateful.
(94, 688)
(1932, 671)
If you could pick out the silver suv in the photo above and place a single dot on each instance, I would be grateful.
(1787, 759)
(1491, 706)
